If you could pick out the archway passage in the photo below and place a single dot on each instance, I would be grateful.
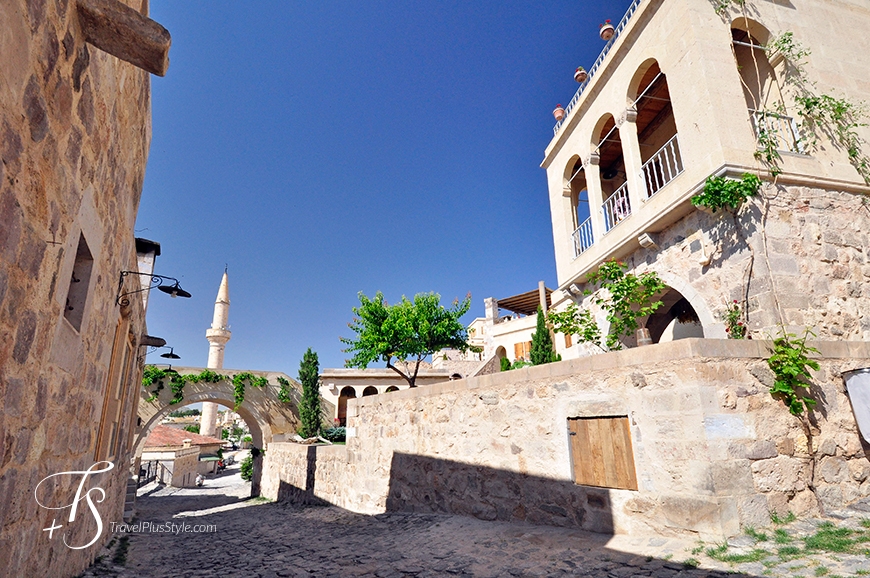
(268, 418)
(346, 393)
(676, 319)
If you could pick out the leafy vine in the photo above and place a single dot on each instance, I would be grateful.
(791, 366)
(154, 376)
(284, 390)
(725, 193)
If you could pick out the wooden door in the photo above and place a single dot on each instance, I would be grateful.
(601, 452)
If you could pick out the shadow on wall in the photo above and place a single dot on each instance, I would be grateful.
(289, 493)
(432, 485)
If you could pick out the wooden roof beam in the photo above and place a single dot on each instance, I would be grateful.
(114, 27)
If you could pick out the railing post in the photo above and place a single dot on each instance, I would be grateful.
(596, 198)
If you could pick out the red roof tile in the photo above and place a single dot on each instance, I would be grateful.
(166, 436)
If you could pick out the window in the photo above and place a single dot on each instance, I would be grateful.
(77, 293)
(601, 452)
(523, 350)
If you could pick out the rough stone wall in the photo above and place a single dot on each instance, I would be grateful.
(74, 136)
(809, 251)
(713, 451)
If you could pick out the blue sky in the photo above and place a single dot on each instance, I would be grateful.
(320, 149)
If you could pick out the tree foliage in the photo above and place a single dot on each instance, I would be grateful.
(542, 346)
(406, 332)
(310, 412)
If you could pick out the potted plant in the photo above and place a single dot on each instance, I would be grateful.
(580, 75)
(559, 113)
(605, 30)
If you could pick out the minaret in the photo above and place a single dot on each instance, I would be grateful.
(218, 335)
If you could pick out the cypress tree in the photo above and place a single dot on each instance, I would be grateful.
(542, 346)
(310, 412)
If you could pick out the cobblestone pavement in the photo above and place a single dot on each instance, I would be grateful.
(256, 538)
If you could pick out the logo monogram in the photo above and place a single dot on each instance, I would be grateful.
(81, 494)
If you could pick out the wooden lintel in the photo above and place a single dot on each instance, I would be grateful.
(114, 27)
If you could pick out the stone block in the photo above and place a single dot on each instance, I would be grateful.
(726, 426)
(832, 470)
(753, 510)
(780, 474)
(732, 477)
(762, 449)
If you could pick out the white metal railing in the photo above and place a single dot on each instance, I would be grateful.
(583, 237)
(616, 32)
(616, 208)
(781, 129)
(663, 167)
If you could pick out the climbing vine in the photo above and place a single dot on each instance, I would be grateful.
(725, 193)
(240, 380)
(284, 390)
(791, 366)
(627, 301)
(154, 376)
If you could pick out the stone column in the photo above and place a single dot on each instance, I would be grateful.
(633, 163)
(596, 198)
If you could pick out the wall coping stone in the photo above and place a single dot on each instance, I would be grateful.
(694, 348)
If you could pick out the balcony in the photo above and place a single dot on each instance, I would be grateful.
(583, 237)
(616, 208)
(780, 129)
(663, 167)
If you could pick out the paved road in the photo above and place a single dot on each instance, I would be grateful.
(254, 538)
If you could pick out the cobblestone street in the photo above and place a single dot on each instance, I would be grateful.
(264, 539)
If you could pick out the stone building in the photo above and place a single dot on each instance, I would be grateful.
(74, 137)
(680, 438)
(661, 112)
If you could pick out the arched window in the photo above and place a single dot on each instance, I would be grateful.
(656, 128)
(346, 393)
(370, 390)
(392, 388)
(614, 184)
(761, 88)
(575, 178)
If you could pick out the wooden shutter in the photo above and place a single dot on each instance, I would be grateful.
(568, 340)
(518, 350)
(601, 452)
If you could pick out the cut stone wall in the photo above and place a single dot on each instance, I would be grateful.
(810, 257)
(74, 136)
(712, 449)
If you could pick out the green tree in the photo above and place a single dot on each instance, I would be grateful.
(407, 332)
(542, 346)
(310, 412)
(192, 428)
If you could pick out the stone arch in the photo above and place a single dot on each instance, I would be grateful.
(391, 389)
(268, 418)
(612, 174)
(347, 392)
(370, 390)
(655, 134)
(712, 327)
(761, 89)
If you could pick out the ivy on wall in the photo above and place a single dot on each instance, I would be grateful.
(155, 377)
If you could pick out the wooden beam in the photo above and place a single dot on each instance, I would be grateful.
(114, 27)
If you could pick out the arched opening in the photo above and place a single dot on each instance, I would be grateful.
(391, 389)
(455, 376)
(761, 88)
(580, 212)
(370, 390)
(346, 393)
(656, 128)
(675, 320)
(614, 183)
(500, 352)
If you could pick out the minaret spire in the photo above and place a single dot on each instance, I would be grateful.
(218, 335)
